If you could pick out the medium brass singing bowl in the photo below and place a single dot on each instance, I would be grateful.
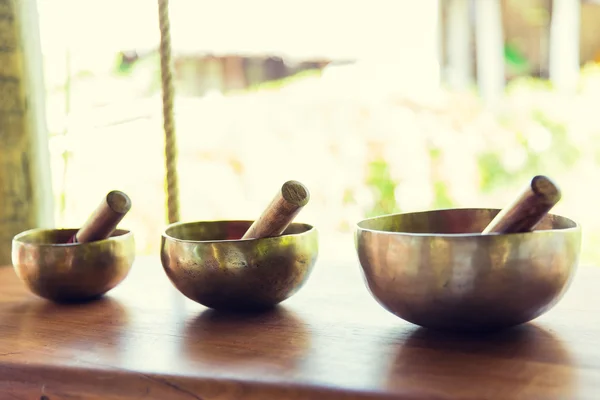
(61, 272)
(208, 263)
(435, 270)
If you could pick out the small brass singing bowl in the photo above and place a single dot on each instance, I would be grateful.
(435, 270)
(209, 263)
(61, 272)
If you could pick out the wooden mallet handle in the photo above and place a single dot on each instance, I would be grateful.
(282, 210)
(104, 220)
(528, 209)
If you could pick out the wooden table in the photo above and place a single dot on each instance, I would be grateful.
(146, 341)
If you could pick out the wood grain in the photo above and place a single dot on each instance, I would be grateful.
(527, 209)
(145, 341)
(105, 218)
(280, 212)
(531, 205)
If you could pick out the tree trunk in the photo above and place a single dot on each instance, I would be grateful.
(440, 35)
(564, 44)
(26, 199)
(458, 39)
(490, 50)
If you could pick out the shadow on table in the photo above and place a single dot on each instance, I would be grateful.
(523, 362)
(276, 336)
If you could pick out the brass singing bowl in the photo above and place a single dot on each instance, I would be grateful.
(208, 263)
(61, 272)
(434, 269)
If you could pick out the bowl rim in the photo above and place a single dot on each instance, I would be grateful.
(359, 228)
(311, 229)
(18, 238)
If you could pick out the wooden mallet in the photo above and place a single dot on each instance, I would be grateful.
(528, 209)
(104, 220)
(282, 210)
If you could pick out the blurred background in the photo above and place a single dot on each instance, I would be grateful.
(378, 106)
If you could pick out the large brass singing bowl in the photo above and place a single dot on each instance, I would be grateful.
(63, 272)
(433, 269)
(208, 263)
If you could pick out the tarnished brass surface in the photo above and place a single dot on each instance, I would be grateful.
(71, 272)
(208, 263)
(433, 269)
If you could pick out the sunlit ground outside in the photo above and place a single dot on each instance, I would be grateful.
(380, 135)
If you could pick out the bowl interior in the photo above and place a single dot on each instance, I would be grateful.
(209, 231)
(55, 236)
(465, 221)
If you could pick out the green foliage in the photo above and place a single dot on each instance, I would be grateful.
(146, 63)
(527, 84)
(442, 198)
(123, 67)
(516, 61)
(384, 189)
(561, 154)
(562, 151)
(280, 83)
(492, 172)
(348, 197)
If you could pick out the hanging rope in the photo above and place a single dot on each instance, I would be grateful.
(168, 93)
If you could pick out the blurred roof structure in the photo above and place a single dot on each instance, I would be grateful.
(311, 29)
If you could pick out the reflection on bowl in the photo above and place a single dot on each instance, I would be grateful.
(523, 362)
(208, 263)
(435, 270)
